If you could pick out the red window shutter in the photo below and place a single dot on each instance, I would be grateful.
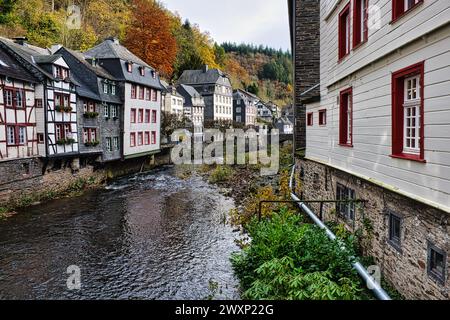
(366, 21)
(342, 119)
(398, 7)
(357, 22)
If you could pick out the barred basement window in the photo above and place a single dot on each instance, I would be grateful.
(437, 259)
(395, 225)
(346, 210)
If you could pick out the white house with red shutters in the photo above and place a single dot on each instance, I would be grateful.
(140, 91)
(378, 128)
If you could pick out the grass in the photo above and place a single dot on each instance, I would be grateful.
(221, 173)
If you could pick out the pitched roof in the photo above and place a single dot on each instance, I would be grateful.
(112, 49)
(11, 68)
(201, 76)
(191, 91)
(48, 59)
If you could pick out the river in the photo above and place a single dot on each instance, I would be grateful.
(150, 236)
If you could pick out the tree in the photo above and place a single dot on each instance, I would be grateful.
(149, 36)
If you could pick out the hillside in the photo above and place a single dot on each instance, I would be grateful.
(160, 37)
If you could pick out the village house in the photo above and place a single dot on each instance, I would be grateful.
(173, 102)
(195, 104)
(216, 89)
(284, 125)
(264, 112)
(140, 90)
(55, 99)
(100, 109)
(244, 107)
(372, 109)
(18, 134)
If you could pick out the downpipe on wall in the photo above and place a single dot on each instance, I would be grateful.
(373, 285)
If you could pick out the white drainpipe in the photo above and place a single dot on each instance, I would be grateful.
(371, 283)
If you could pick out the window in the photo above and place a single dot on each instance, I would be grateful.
(140, 138)
(19, 99)
(399, 7)
(147, 94)
(408, 113)
(114, 112)
(323, 117)
(62, 100)
(153, 137)
(40, 137)
(133, 91)
(108, 145)
(147, 138)
(133, 116)
(116, 143)
(89, 135)
(345, 209)
(153, 74)
(133, 139)
(91, 106)
(9, 98)
(129, 67)
(141, 92)
(63, 131)
(310, 119)
(147, 116)
(346, 118)
(11, 135)
(437, 259)
(113, 89)
(154, 95)
(154, 116)
(344, 32)
(142, 71)
(141, 116)
(106, 111)
(105, 88)
(395, 226)
(360, 21)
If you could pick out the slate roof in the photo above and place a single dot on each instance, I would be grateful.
(188, 93)
(48, 59)
(191, 91)
(111, 49)
(191, 77)
(11, 68)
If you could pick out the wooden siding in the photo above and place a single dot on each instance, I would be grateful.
(372, 128)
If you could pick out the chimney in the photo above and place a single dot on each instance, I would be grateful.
(205, 68)
(21, 40)
(114, 40)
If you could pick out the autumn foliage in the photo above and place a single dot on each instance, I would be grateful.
(149, 36)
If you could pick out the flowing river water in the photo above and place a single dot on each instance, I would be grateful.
(151, 236)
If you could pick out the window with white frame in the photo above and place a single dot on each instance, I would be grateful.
(114, 111)
(9, 98)
(106, 111)
(22, 135)
(116, 143)
(108, 144)
(411, 114)
(11, 135)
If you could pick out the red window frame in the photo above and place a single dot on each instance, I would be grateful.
(14, 92)
(153, 137)
(359, 20)
(140, 141)
(133, 91)
(344, 97)
(310, 119)
(64, 127)
(147, 94)
(133, 139)
(59, 97)
(398, 96)
(141, 116)
(147, 116)
(323, 117)
(89, 132)
(154, 116)
(16, 135)
(342, 31)
(147, 138)
(141, 92)
(154, 95)
(133, 115)
(398, 8)
(38, 103)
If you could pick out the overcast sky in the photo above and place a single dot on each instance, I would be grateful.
(250, 21)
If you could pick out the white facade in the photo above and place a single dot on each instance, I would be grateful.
(419, 36)
(223, 102)
(142, 122)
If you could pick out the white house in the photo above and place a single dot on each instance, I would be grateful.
(141, 94)
(379, 129)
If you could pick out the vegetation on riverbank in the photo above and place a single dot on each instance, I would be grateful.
(290, 260)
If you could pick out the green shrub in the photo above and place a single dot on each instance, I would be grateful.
(221, 174)
(291, 260)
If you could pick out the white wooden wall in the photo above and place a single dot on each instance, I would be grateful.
(372, 128)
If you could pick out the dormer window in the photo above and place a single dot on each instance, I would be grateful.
(130, 67)
(105, 88)
(142, 71)
(113, 89)
(61, 73)
(153, 74)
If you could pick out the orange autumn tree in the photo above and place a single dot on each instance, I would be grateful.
(150, 37)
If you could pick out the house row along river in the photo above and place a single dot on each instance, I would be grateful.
(150, 236)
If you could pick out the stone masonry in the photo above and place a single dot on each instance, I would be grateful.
(405, 267)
